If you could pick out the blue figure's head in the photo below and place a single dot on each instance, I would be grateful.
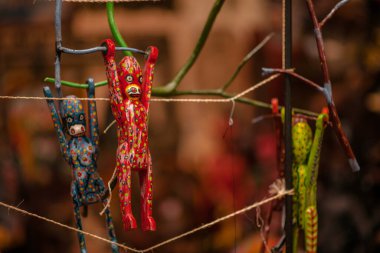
(73, 117)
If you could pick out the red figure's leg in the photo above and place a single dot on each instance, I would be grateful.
(146, 185)
(125, 196)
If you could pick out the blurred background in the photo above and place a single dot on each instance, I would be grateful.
(202, 168)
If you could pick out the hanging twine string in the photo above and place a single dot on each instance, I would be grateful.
(183, 100)
(105, 1)
(14, 208)
(107, 205)
(45, 98)
(279, 195)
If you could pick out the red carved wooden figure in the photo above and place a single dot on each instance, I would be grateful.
(130, 91)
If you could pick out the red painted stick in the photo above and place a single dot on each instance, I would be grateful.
(337, 126)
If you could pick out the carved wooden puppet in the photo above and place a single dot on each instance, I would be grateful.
(306, 153)
(80, 151)
(130, 91)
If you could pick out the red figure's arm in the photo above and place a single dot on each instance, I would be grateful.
(146, 87)
(116, 96)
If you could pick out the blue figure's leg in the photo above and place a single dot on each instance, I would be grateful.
(95, 189)
(82, 242)
(78, 220)
(92, 193)
(100, 189)
(86, 188)
(110, 229)
(99, 185)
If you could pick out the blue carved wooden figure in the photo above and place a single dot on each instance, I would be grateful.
(80, 152)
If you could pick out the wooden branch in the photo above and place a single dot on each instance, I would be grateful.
(114, 29)
(293, 74)
(245, 60)
(342, 137)
(198, 47)
(332, 12)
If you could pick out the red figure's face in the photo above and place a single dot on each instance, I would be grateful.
(130, 77)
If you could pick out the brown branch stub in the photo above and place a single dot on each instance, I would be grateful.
(319, 41)
(246, 59)
(332, 12)
(292, 73)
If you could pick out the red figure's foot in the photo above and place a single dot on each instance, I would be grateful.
(129, 222)
(148, 224)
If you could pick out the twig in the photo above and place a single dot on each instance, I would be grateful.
(292, 73)
(198, 47)
(332, 12)
(337, 125)
(320, 45)
(263, 117)
(246, 59)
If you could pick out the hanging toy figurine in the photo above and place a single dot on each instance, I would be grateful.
(306, 153)
(130, 91)
(81, 152)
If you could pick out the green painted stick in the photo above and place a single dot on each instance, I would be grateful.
(198, 47)
(114, 29)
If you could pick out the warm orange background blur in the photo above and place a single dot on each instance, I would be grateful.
(199, 175)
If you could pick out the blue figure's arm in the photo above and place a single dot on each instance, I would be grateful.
(92, 114)
(57, 124)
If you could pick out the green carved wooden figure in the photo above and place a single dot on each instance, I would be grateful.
(306, 153)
